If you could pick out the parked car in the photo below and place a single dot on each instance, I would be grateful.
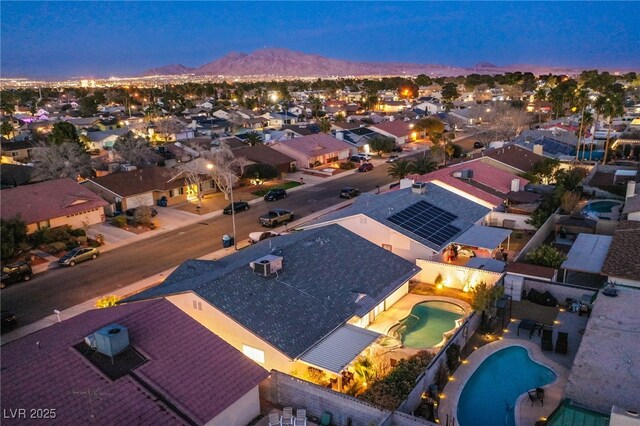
(349, 192)
(275, 194)
(365, 167)
(356, 159)
(397, 149)
(276, 217)
(238, 206)
(132, 212)
(478, 145)
(393, 158)
(15, 272)
(9, 321)
(366, 157)
(256, 237)
(77, 255)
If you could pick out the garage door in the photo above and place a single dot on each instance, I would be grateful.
(140, 200)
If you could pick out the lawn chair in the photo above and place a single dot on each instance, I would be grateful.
(546, 342)
(287, 417)
(274, 419)
(301, 417)
(562, 343)
(325, 420)
(536, 394)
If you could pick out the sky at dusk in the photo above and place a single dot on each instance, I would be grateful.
(100, 39)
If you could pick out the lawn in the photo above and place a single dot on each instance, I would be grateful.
(285, 185)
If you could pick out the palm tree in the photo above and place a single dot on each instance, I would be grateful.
(613, 107)
(324, 124)
(585, 124)
(423, 165)
(253, 138)
(581, 101)
(599, 108)
(400, 169)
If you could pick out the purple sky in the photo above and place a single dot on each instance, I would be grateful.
(56, 39)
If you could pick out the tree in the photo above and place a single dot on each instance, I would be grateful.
(423, 165)
(613, 107)
(14, 233)
(64, 132)
(545, 255)
(400, 169)
(253, 138)
(6, 128)
(543, 171)
(449, 92)
(192, 174)
(382, 144)
(88, 106)
(324, 124)
(133, 149)
(260, 172)
(57, 161)
(430, 125)
(143, 215)
(569, 201)
(167, 127)
(483, 297)
(224, 167)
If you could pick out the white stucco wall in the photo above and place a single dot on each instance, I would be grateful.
(240, 412)
(624, 281)
(454, 276)
(635, 216)
(77, 221)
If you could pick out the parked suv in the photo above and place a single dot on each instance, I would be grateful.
(77, 255)
(15, 272)
(365, 167)
(356, 159)
(238, 206)
(275, 194)
(349, 192)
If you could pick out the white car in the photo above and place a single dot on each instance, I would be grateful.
(256, 237)
(366, 157)
(393, 158)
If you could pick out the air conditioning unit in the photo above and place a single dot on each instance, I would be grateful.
(419, 188)
(267, 265)
(112, 339)
(90, 341)
(466, 174)
(127, 168)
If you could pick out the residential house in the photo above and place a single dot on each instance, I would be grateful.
(82, 122)
(53, 203)
(314, 150)
(212, 126)
(300, 130)
(104, 139)
(144, 187)
(511, 157)
(13, 175)
(391, 106)
(621, 265)
(359, 137)
(280, 118)
(262, 154)
(144, 363)
(401, 131)
(16, 151)
(283, 302)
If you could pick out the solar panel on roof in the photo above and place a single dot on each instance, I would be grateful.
(427, 221)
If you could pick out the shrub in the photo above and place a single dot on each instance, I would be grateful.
(78, 232)
(260, 172)
(81, 240)
(119, 221)
(453, 356)
(108, 301)
(545, 255)
(347, 165)
(93, 243)
(71, 244)
(142, 216)
(56, 247)
(442, 376)
(50, 235)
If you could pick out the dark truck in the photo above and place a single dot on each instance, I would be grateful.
(276, 217)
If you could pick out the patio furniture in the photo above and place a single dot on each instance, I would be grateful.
(325, 420)
(546, 342)
(529, 325)
(274, 419)
(301, 417)
(287, 416)
(536, 394)
(562, 342)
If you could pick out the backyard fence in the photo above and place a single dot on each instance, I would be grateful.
(560, 291)
(538, 239)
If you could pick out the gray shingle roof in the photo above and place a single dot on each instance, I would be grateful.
(380, 207)
(324, 272)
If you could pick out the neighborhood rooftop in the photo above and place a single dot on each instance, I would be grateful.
(325, 274)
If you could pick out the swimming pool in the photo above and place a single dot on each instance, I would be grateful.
(427, 324)
(489, 397)
(604, 206)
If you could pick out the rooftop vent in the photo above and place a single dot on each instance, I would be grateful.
(112, 339)
(463, 174)
(419, 188)
(267, 265)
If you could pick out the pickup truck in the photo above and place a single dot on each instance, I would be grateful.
(276, 217)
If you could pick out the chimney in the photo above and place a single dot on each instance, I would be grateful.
(515, 185)
(537, 149)
(631, 189)
(340, 136)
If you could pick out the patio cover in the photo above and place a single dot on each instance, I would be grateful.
(483, 236)
(588, 253)
(486, 264)
(338, 349)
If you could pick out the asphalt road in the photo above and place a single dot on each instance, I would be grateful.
(65, 287)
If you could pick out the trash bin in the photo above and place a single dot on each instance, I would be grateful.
(227, 241)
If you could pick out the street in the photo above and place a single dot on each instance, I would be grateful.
(62, 288)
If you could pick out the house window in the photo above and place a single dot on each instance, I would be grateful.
(197, 305)
(255, 354)
(171, 193)
(363, 220)
(44, 224)
(387, 247)
(378, 309)
(181, 191)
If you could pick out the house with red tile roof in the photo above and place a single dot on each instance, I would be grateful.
(479, 182)
(144, 363)
(53, 203)
(314, 150)
(401, 131)
(143, 187)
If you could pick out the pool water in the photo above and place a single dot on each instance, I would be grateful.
(426, 324)
(601, 206)
(489, 397)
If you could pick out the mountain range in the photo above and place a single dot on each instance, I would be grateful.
(289, 63)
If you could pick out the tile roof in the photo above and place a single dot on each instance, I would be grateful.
(315, 145)
(139, 181)
(192, 368)
(397, 128)
(262, 154)
(324, 272)
(514, 155)
(46, 200)
(496, 182)
(381, 206)
(622, 260)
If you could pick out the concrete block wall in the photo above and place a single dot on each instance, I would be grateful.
(560, 291)
(497, 219)
(543, 232)
(401, 419)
